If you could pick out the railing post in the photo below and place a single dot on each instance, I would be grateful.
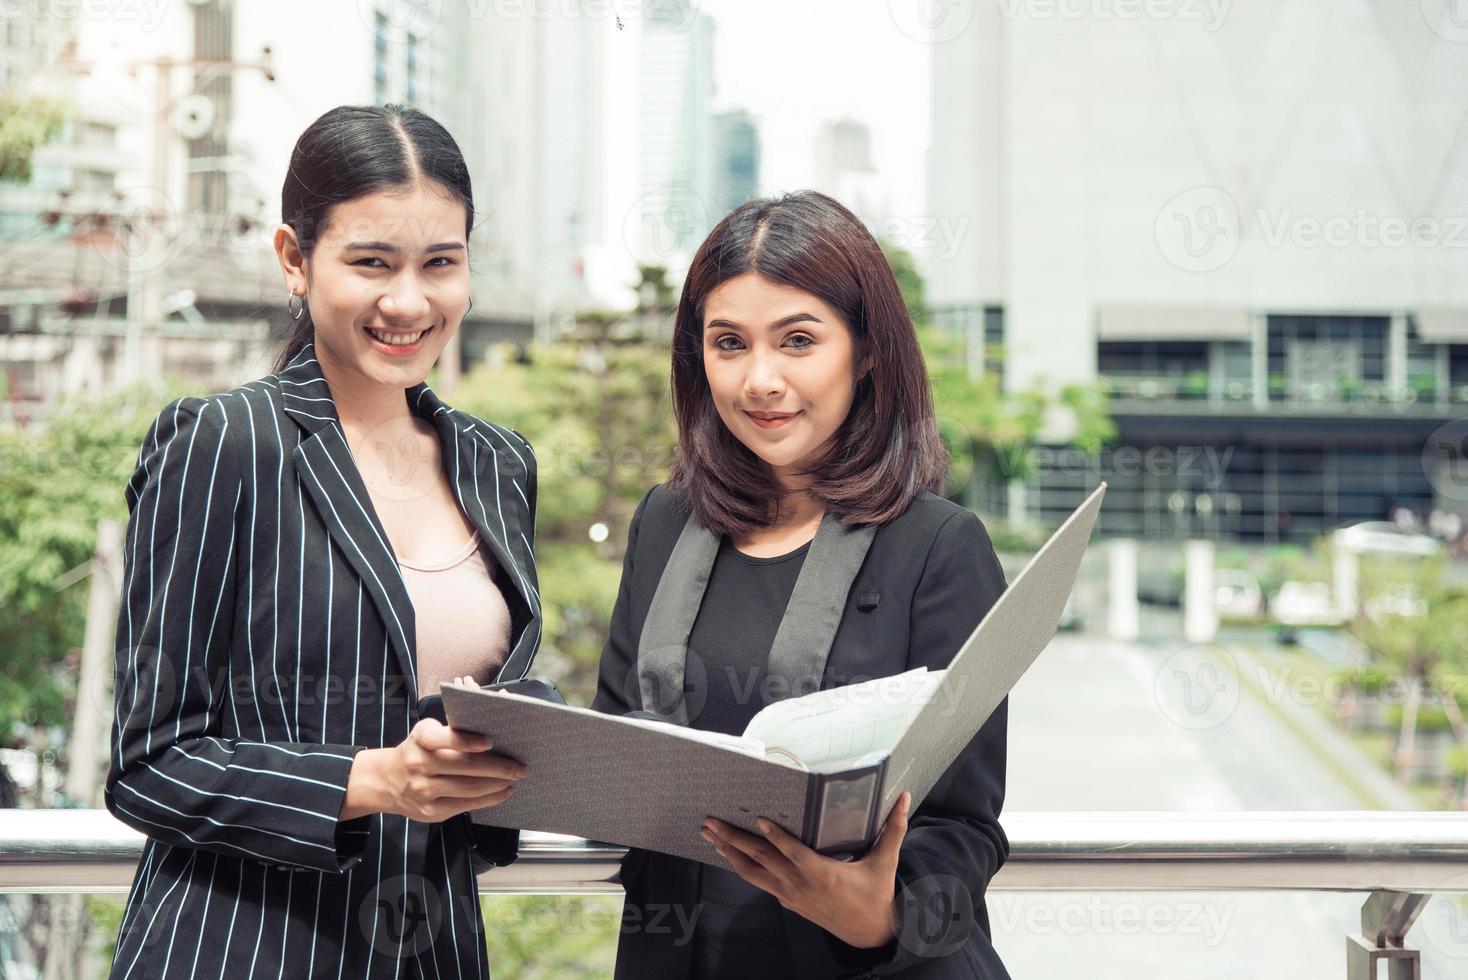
(1385, 919)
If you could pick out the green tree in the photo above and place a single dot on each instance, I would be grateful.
(55, 485)
(26, 122)
(989, 431)
(596, 407)
(1412, 619)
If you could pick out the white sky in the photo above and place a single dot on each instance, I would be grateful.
(796, 63)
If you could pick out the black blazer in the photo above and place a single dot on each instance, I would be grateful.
(265, 638)
(929, 577)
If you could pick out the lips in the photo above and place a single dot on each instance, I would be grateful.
(771, 420)
(397, 349)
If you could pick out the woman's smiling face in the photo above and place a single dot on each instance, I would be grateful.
(781, 368)
(388, 283)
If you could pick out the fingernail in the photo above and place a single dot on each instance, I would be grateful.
(764, 825)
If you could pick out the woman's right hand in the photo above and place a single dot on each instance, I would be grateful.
(433, 774)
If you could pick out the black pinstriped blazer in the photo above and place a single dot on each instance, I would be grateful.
(265, 638)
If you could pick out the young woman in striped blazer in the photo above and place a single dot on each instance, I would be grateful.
(308, 555)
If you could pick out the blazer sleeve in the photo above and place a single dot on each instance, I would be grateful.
(954, 844)
(617, 690)
(532, 484)
(172, 777)
(495, 847)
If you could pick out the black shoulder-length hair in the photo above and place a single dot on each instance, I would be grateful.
(352, 151)
(886, 451)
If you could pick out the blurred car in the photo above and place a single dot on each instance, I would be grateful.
(1386, 538)
(1237, 594)
(1070, 617)
(1298, 604)
(1404, 600)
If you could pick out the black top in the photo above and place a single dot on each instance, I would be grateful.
(739, 931)
(733, 634)
(929, 577)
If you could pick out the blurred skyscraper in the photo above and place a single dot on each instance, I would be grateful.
(736, 160)
(541, 88)
(1247, 223)
(676, 207)
(845, 168)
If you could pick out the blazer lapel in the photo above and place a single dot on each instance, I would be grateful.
(802, 641)
(327, 470)
(486, 479)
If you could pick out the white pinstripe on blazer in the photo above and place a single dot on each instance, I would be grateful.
(265, 638)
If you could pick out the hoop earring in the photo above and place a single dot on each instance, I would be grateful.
(471, 305)
(296, 311)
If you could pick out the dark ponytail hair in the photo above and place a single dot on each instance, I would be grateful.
(354, 150)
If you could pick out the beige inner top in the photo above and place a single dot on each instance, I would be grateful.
(463, 623)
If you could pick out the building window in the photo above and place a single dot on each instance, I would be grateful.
(1327, 358)
(1149, 369)
(93, 181)
(994, 342)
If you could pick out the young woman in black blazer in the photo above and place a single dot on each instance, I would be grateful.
(303, 818)
(806, 547)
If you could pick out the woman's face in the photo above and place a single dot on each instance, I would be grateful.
(781, 367)
(387, 284)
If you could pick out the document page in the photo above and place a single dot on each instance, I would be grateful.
(827, 728)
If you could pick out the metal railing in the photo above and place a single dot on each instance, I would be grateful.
(1400, 858)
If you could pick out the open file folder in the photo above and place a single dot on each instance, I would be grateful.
(828, 767)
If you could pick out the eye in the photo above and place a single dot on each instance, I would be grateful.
(804, 341)
(371, 258)
(734, 343)
(445, 261)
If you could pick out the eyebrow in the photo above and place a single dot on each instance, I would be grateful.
(393, 249)
(777, 325)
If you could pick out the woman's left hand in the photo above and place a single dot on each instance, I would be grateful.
(852, 900)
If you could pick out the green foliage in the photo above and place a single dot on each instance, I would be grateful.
(55, 485)
(26, 122)
(1418, 645)
(596, 408)
(909, 281)
(1367, 681)
(552, 937)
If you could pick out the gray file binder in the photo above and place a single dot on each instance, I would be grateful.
(614, 779)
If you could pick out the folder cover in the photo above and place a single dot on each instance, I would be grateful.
(650, 784)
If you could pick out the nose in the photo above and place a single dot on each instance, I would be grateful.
(405, 299)
(764, 380)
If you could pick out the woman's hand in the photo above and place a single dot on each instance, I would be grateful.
(433, 774)
(852, 900)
